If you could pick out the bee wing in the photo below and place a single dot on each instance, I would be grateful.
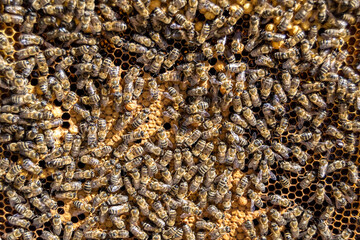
(18, 215)
(170, 144)
(263, 147)
(259, 176)
(253, 136)
(337, 204)
(272, 175)
(236, 164)
(252, 206)
(185, 215)
(285, 155)
(348, 198)
(51, 60)
(204, 113)
(327, 199)
(300, 123)
(353, 194)
(312, 198)
(339, 143)
(253, 164)
(214, 82)
(278, 157)
(302, 234)
(193, 80)
(167, 114)
(168, 96)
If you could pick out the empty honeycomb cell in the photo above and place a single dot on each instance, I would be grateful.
(74, 219)
(65, 116)
(357, 44)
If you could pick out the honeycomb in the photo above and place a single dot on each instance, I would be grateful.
(105, 76)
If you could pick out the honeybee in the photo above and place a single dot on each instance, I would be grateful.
(317, 100)
(302, 13)
(255, 200)
(12, 172)
(331, 43)
(42, 219)
(285, 20)
(138, 233)
(306, 217)
(30, 39)
(254, 162)
(49, 236)
(300, 154)
(336, 165)
(137, 48)
(207, 51)
(24, 210)
(119, 209)
(156, 220)
(310, 232)
(320, 195)
(290, 166)
(65, 195)
(16, 221)
(30, 166)
(14, 197)
(28, 24)
(15, 234)
(350, 74)
(266, 86)
(236, 67)
(220, 45)
(276, 215)
(250, 229)
(161, 15)
(281, 149)
(348, 192)
(303, 115)
(28, 52)
(188, 233)
(95, 234)
(254, 26)
(202, 224)
(28, 235)
(284, 181)
(353, 173)
(236, 12)
(307, 179)
(115, 26)
(257, 182)
(327, 213)
(122, 233)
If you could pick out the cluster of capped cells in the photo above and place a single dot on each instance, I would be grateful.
(175, 119)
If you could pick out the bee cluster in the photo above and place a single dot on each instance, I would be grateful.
(129, 119)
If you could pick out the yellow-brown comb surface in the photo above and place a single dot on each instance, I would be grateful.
(179, 119)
